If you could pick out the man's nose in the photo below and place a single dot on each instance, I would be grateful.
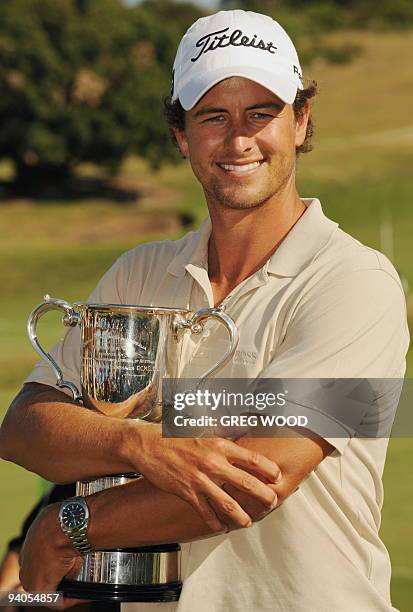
(239, 137)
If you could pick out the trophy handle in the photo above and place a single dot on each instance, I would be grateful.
(71, 318)
(195, 324)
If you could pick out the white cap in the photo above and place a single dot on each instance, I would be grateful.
(235, 43)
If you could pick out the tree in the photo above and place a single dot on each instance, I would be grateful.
(309, 16)
(82, 80)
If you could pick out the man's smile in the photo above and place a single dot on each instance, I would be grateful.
(241, 169)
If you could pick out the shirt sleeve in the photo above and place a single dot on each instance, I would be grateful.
(353, 328)
(111, 289)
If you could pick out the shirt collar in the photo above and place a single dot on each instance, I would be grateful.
(301, 245)
(194, 252)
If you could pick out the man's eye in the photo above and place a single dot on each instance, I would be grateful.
(214, 119)
(262, 116)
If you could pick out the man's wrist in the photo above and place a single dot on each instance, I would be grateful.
(133, 442)
(53, 532)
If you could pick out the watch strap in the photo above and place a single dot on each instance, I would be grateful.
(79, 539)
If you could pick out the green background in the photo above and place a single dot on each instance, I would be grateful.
(361, 169)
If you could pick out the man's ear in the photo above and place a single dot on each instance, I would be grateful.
(301, 124)
(182, 142)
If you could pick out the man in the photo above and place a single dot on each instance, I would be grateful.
(309, 301)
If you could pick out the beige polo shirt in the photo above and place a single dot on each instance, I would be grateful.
(323, 305)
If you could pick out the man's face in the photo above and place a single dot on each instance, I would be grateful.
(240, 139)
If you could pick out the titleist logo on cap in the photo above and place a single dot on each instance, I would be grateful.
(237, 38)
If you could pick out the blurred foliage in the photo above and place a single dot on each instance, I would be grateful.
(83, 80)
(309, 21)
(309, 16)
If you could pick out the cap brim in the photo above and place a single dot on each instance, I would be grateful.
(278, 83)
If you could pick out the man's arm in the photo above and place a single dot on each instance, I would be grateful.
(297, 455)
(46, 433)
(162, 517)
(165, 518)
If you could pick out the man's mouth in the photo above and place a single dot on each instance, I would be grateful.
(241, 168)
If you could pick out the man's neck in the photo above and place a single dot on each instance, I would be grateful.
(243, 240)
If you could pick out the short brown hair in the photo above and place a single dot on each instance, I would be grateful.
(175, 115)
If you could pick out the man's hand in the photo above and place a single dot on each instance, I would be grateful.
(197, 469)
(47, 554)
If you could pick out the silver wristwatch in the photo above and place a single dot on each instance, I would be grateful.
(74, 519)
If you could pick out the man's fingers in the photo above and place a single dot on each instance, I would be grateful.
(201, 505)
(40, 585)
(255, 462)
(77, 563)
(227, 508)
(248, 483)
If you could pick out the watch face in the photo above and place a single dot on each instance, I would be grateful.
(74, 515)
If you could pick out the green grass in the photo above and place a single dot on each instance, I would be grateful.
(397, 528)
(360, 170)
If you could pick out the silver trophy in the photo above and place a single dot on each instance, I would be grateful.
(127, 354)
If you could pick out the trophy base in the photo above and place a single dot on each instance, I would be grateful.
(145, 573)
(149, 573)
(120, 592)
